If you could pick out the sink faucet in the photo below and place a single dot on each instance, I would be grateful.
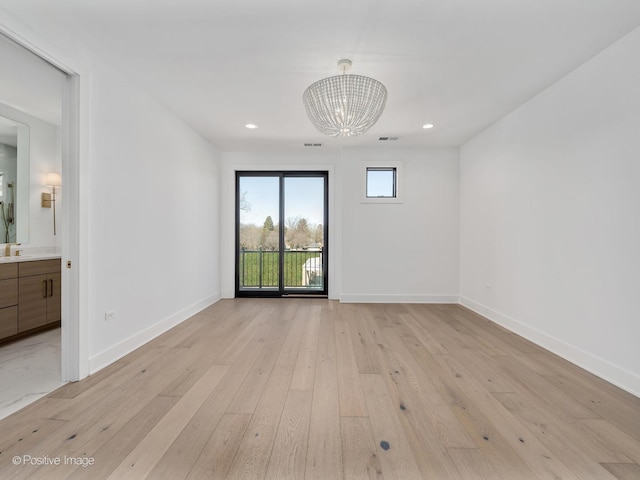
(7, 249)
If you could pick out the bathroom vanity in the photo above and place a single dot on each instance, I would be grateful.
(30, 299)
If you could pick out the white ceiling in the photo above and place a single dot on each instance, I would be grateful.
(461, 64)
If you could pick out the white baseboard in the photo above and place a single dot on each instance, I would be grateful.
(614, 374)
(127, 346)
(397, 298)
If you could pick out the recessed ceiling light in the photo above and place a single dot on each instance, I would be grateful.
(428, 125)
(251, 125)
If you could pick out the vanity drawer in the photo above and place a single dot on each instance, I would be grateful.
(8, 270)
(8, 321)
(8, 292)
(39, 267)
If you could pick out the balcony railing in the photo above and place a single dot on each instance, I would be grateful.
(261, 269)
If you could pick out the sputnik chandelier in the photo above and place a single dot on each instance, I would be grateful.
(345, 105)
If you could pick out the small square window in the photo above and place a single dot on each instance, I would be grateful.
(381, 182)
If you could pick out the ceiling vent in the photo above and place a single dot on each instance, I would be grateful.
(312, 144)
(388, 139)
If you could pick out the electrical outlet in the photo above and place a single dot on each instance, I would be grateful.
(110, 315)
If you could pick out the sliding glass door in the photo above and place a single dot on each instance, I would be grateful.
(281, 233)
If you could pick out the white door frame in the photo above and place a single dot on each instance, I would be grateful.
(75, 358)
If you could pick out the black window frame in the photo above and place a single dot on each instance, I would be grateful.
(382, 169)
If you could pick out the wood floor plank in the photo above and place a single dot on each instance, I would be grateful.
(398, 356)
(472, 464)
(359, 452)
(324, 453)
(254, 328)
(150, 450)
(177, 462)
(536, 454)
(131, 434)
(215, 322)
(95, 423)
(436, 321)
(290, 350)
(216, 457)
(497, 451)
(425, 397)
(97, 392)
(553, 423)
(365, 316)
(73, 389)
(352, 402)
(94, 440)
(484, 369)
(289, 452)
(448, 389)
(508, 341)
(115, 450)
(390, 316)
(22, 441)
(304, 372)
(154, 370)
(614, 440)
(422, 333)
(623, 471)
(364, 337)
(526, 382)
(555, 436)
(623, 414)
(505, 461)
(328, 390)
(254, 451)
(490, 336)
(392, 446)
(249, 394)
(211, 342)
(426, 426)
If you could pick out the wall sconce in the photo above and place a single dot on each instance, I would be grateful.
(49, 199)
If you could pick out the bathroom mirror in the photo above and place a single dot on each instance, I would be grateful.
(14, 181)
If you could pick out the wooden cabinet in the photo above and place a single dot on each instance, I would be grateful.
(38, 294)
(30, 297)
(8, 299)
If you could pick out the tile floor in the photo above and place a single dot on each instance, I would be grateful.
(29, 369)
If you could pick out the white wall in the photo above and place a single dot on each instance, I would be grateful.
(550, 217)
(147, 196)
(377, 253)
(154, 217)
(408, 251)
(44, 157)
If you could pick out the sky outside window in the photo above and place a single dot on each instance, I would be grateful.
(304, 197)
(381, 182)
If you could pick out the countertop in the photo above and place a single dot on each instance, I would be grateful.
(30, 257)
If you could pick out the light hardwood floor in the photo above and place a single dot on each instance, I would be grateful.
(314, 389)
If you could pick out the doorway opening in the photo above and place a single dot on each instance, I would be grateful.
(51, 90)
(33, 140)
(281, 233)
